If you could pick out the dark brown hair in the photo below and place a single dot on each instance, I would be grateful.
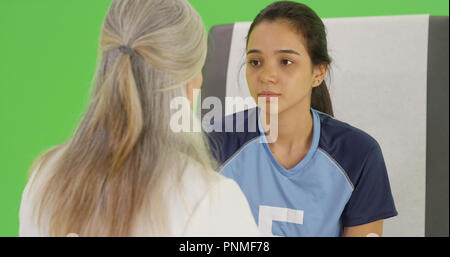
(309, 24)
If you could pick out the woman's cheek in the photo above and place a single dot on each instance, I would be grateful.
(251, 82)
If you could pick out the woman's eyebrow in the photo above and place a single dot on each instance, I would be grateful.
(284, 51)
(254, 51)
(287, 51)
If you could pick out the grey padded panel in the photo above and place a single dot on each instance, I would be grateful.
(216, 66)
(437, 177)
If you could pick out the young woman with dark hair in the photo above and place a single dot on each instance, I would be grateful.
(321, 176)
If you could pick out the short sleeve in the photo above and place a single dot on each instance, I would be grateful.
(224, 211)
(371, 198)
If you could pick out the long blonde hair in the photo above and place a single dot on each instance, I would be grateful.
(113, 167)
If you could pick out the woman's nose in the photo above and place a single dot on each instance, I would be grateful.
(269, 75)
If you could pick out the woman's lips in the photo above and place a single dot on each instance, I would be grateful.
(268, 95)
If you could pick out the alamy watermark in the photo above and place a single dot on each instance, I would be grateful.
(182, 119)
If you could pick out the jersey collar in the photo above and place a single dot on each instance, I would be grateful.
(314, 144)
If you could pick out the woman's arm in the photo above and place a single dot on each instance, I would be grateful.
(372, 229)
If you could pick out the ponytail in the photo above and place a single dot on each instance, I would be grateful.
(121, 119)
(321, 100)
(126, 127)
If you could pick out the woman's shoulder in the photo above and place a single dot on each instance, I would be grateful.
(39, 173)
(209, 181)
(349, 138)
(43, 165)
(350, 147)
(221, 209)
(202, 202)
(353, 149)
(200, 180)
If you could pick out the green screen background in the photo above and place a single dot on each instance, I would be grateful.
(48, 52)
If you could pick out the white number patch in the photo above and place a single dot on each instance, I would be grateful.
(267, 214)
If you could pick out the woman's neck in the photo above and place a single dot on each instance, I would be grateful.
(295, 127)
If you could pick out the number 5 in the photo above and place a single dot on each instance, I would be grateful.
(267, 214)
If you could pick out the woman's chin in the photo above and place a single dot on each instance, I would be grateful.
(272, 110)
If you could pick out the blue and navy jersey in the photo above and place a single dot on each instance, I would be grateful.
(342, 181)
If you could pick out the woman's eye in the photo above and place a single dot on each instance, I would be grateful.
(254, 63)
(286, 62)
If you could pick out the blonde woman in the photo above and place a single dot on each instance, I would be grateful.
(125, 172)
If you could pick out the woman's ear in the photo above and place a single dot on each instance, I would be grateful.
(195, 83)
(319, 73)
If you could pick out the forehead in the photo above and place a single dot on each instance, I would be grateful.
(276, 35)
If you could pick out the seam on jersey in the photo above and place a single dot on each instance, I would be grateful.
(237, 152)
(339, 166)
